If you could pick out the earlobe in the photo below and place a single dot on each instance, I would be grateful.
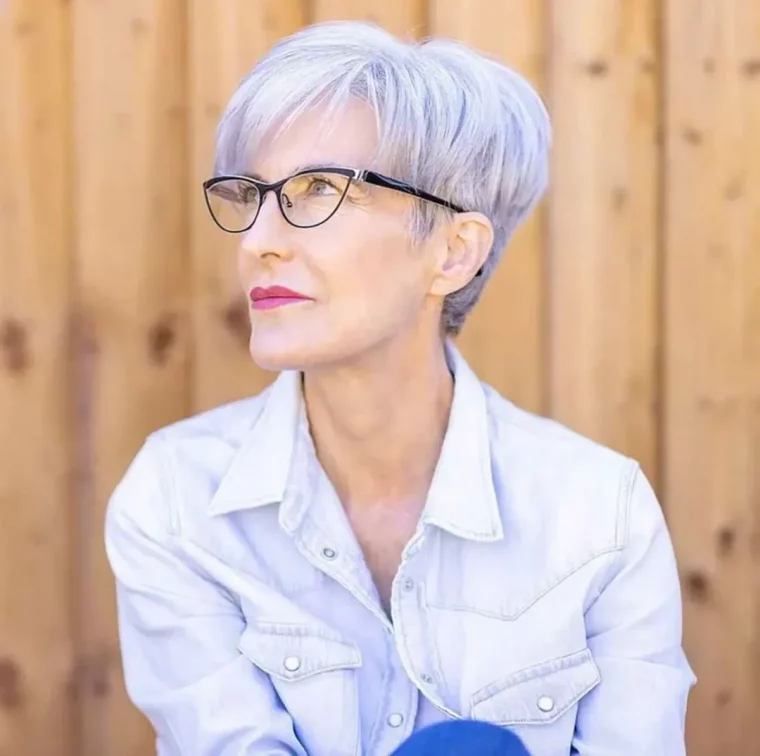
(468, 244)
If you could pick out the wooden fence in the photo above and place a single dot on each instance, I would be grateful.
(628, 307)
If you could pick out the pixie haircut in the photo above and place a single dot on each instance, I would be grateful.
(450, 121)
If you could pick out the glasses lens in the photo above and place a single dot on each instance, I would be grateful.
(233, 203)
(311, 198)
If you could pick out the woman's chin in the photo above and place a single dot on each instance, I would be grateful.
(277, 354)
(297, 349)
(276, 361)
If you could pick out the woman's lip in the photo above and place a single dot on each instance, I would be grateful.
(269, 292)
(269, 303)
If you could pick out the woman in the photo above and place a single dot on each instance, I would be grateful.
(379, 542)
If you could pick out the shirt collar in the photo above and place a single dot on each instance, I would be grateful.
(259, 472)
(462, 498)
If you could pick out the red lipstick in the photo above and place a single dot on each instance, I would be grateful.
(274, 296)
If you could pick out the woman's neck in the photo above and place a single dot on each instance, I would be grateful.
(378, 425)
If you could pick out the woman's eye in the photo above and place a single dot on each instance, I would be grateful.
(247, 194)
(321, 186)
(224, 193)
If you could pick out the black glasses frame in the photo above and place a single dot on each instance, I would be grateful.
(352, 174)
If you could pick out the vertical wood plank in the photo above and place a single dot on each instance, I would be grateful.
(407, 18)
(132, 245)
(712, 310)
(604, 213)
(504, 338)
(36, 428)
(225, 41)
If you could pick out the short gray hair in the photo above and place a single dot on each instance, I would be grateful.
(451, 121)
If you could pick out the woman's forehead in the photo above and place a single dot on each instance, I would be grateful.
(345, 138)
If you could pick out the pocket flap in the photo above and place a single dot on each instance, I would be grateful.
(538, 694)
(293, 652)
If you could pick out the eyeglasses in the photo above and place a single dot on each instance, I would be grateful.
(306, 200)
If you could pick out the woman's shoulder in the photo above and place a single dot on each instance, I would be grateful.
(225, 423)
(517, 431)
(547, 470)
(191, 455)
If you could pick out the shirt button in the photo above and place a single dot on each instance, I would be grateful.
(292, 663)
(329, 553)
(427, 679)
(545, 703)
(408, 584)
(396, 720)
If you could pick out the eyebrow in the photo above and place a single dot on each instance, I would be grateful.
(299, 169)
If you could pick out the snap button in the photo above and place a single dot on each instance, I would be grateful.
(545, 703)
(292, 663)
(329, 553)
(395, 720)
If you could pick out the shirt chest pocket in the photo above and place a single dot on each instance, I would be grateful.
(539, 703)
(313, 673)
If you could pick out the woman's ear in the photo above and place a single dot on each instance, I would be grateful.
(468, 241)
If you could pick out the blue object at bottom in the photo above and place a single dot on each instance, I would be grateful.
(462, 738)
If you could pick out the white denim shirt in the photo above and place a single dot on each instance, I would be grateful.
(539, 591)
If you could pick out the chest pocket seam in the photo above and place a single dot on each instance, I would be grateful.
(513, 700)
(515, 611)
(270, 646)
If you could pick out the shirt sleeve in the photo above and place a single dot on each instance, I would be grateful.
(179, 632)
(634, 630)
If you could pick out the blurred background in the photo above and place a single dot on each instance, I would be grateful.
(628, 307)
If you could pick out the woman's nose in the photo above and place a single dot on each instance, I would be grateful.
(268, 235)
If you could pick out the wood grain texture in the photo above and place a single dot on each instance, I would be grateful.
(134, 286)
(36, 428)
(504, 338)
(225, 41)
(406, 18)
(712, 310)
(604, 223)
(629, 306)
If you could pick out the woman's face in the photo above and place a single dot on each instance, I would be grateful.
(364, 282)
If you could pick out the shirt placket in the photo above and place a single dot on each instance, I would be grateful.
(336, 558)
(398, 711)
(415, 651)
